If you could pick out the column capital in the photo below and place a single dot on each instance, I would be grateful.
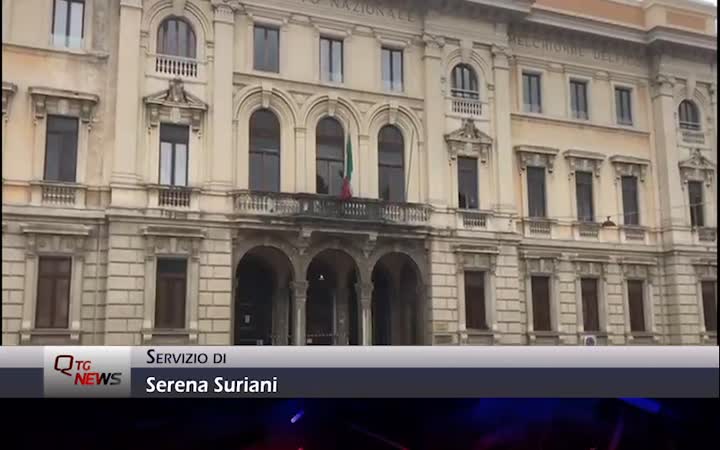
(501, 57)
(299, 288)
(663, 85)
(224, 11)
(364, 291)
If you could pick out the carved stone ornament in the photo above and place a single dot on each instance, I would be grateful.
(697, 167)
(540, 266)
(469, 141)
(60, 101)
(163, 240)
(583, 161)
(175, 104)
(590, 268)
(536, 156)
(8, 91)
(56, 239)
(630, 166)
(637, 271)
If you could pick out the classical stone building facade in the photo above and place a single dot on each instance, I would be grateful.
(523, 172)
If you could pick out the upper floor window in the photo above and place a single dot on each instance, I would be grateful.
(68, 23)
(689, 115)
(695, 193)
(61, 148)
(623, 105)
(589, 294)
(709, 300)
(584, 196)
(475, 314)
(536, 191)
(331, 60)
(330, 156)
(391, 161)
(636, 305)
(464, 82)
(267, 49)
(173, 155)
(264, 151)
(540, 292)
(392, 69)
(631, 207)
(53, 292)
(176, 38)
(467, 183)
(532, 95)
(578, 99)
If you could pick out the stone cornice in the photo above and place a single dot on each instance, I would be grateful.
(537, 156)
(84, 103)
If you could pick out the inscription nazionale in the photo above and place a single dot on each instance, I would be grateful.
(375, 8)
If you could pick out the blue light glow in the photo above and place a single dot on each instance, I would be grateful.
(297, 416)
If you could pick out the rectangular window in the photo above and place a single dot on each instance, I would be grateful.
(697, 212)
(631, 210)
(584, 194)
(578, 99)
(709, 298)
(532, 96)
(589, 292)
(68, 23)
(331, 60)
(467, 183)
(392, 69)
(636, 303)
(541, 303)
(53, 292)
(623, 105)
(475, 317)
(173, 155)
(267, 49)
(170, 293)
(61, 149)
(536, 191)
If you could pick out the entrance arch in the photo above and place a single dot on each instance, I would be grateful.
(397, 301)
(331, 309)
(262, 298)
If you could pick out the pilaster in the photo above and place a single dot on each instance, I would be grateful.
(503, 140)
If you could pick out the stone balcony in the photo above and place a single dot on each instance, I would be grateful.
(173, 197)
(325, 208)
(168, 66)
(57, 194)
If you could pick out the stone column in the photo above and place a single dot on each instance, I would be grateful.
(503, 139)
(299, 302)
(280, 330)
(127, 105)
(221, 150)
(434, 118)
(672, 199)
(364, 296)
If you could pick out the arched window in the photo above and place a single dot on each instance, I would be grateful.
(391, 162)
(264, 152)
(330, 158)
(689, 115)
(464, 82)
(176, 38)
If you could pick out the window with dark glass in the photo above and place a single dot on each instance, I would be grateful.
(697, 211)
(532, 95)
(636, 303)
(61, 148)
(709, 298)
(536, 191)
(176, 38)
(391, 161)
(53, 292)
(464, 82)
(267, 49)
(475, 317)
(584, 194)
(689, 115)
(589, 292)
(68, 23)
(579, 99)
(330, 161)
(170, 293)
(623, 105)
(264, 152)
(541, 303)
(392, 69)
(631, 210)
(467, 183)
(331, 59)
(173, 155)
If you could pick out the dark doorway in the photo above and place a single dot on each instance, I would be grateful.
(396, 301)
(320, 313)
(255, 283)
(381, 311)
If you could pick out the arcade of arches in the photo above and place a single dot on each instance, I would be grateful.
(331, 302)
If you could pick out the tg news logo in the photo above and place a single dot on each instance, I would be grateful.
(83, 372)
(87, 371)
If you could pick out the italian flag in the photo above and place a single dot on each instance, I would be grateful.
(346, 187)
